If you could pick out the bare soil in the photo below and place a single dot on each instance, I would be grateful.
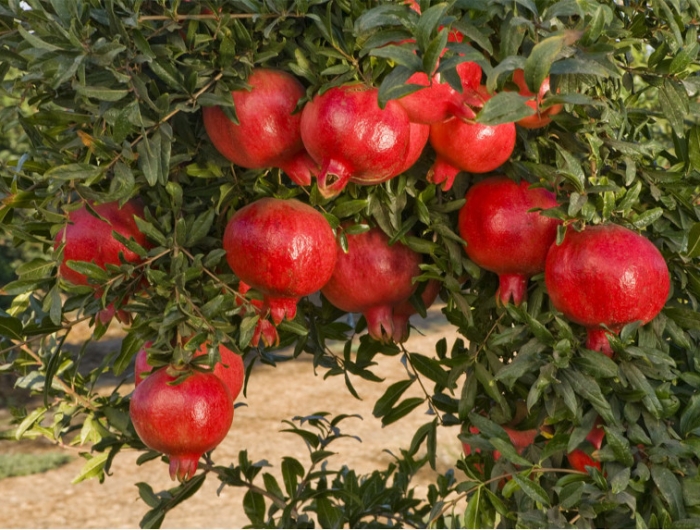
(50, 500)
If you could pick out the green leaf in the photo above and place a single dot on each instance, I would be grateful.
(329, 516)
(254, 507)
(571, 169)
(430, 368)
(349, 208)
(504, 107)
(148, 495)
(690, 418)
(402, 409)
(533, 490)
(390, 397)
(74, 172)
(674, 104)
(102, 93)
(11, 328)
(35, 268)
(596, 364)
(670, 489)
(131, 344)
(541, 57)
(93, 468)
(400, 56)
(693, 241)
(200, 227)
(291, 471)
(620, 446)
(639, 382)
(471, 514)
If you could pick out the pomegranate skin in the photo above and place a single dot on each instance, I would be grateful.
(606, 275)
(470, 147)
(352, 138)
(268, 134)
(283, 248)
(503, 236)
(371, 278)
(230, 370)
(182, 421)
(438, 101)
(90, 239)
(417, 141)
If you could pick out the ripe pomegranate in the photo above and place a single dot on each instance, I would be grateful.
(371, 278)
(470, 147)
(268, 133)
(230, 370)
(90, 239)
(352, 138)
(283, 248)
(182, 420)
(579, 459)
(403, 310)
(438, 101)
(542, 116)
(417, 140)
(606, 275)
(521, 440)
(503, 236)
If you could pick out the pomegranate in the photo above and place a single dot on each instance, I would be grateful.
(542, 116)
(521, 440)
(579, 459)
(90, 239)
(352, 138)
(417, 140)
(268, 133)
(283, 248)
(371, 278)
(230, 370)
(403, 310)
(606, 275)
(438, 101)
(182, 420)
(470, 147)
(503, 236)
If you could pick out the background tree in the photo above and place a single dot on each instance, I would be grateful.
(108, 96)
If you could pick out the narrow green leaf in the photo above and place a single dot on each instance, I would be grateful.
(402, 409)
(504, 107)
(471, 514)
(291, 471)
(254, 507)
(670, 489)
(11, 327)
(430, 368)
(390, 397)
(541, 57)
(102, 93)
(93, 468)
(532, 490)
(329, 516)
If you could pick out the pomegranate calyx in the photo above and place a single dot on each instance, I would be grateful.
(442, 173)
(511, 286)
(183, 467)
(266, 331)
(300, 168)
(333, 178)
(400, 323)
(597, 340)
(281, 308)
(380, 323)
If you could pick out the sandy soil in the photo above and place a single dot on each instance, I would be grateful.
(274, 394)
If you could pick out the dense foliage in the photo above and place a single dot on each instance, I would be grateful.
(107, 96)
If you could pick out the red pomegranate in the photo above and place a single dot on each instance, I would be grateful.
(503, 236)
(521, 440)
(438, 101)
(403, 310)
(542, 116)
(90, 239)
(417, 140)
(470, 147)
(230, 370)
(283, 248)
(579, 459)
(182, 420)
(371, 278)
(606, 275)
(352, 138)
(268, 133)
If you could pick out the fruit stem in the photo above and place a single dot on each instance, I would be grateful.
(380, 324)
(511, 286)
(443, 173)
(333, 178)
(597, 339)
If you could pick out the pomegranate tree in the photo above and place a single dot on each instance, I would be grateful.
(353, 139)
(371, 278)
(604, 277)
(182, 419)
(504, 236)
(268, 130)
(283, 248)
(469, 146)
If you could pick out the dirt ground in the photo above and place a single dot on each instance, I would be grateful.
(49, 500)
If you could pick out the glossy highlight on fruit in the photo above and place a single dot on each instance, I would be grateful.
(606, 276)
(353, 139)
(268, 133)
(371, 278)
(504, 236)
(283, 248)
(182, 420)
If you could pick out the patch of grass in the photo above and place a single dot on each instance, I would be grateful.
(19, 464)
